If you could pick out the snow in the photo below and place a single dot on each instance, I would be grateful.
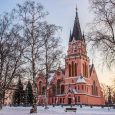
(81, 80)
(71, 90)
(57, 110)
(51, 76)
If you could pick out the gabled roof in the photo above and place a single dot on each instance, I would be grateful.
(80, 80)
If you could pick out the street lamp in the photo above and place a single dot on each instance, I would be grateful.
(109, 97)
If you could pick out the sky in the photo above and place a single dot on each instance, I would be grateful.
(62, 13)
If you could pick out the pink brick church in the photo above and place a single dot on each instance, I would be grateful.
(77, 83)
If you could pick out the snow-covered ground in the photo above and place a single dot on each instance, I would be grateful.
(57, 110)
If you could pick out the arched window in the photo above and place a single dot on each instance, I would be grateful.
(75, 100)
(62, 89)
(86, 70)
(60, 100)
(40, 88)
(53, 90)
(78, 98)
(43, 90)
(69, 70)
(82, 87)
(83, 70)
(58, 87)
(72, 68)
(75, 69)
(92, 89)
(96, 90)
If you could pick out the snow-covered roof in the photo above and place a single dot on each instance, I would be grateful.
(51, 76)
(72, 90)
(80, 80)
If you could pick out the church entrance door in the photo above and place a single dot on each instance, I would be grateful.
(69, 101)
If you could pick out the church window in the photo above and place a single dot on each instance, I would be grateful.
(62, 89)
(58, 87)
(43, 90)
(78, 98)
(82, 87)
(60, 100)
(52, 100)
(92, 89)
(86, 70)
(63, 100)
(75, 99)
(40, 87)
(96, 90)
(53, 90)
(75, 69)
(69, 70)
(72, 68)
(83, 70)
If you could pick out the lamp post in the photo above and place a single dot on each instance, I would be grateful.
(27, 97)
(109, 97)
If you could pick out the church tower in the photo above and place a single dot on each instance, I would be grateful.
(77, 61)
(77, 83)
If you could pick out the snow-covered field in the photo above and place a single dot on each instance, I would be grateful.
(57, 110)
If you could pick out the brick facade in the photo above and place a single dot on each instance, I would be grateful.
(77, 83)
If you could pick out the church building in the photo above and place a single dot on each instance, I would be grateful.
(77, 83)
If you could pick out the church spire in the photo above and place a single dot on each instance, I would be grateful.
(76, 34)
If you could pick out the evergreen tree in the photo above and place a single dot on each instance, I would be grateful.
(29, 94)
(19, 93)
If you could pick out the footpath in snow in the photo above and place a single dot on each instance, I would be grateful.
(57, 110)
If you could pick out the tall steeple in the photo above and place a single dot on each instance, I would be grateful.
(70, 39)
(76, 34)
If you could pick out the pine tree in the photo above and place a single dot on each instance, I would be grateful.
(29, 94)
(19, 93)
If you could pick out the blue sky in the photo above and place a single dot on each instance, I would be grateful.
(62, 13)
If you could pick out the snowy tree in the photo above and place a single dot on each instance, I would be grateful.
(102, 31)
(51, 51)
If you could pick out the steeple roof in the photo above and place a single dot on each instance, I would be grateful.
(76, 34)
